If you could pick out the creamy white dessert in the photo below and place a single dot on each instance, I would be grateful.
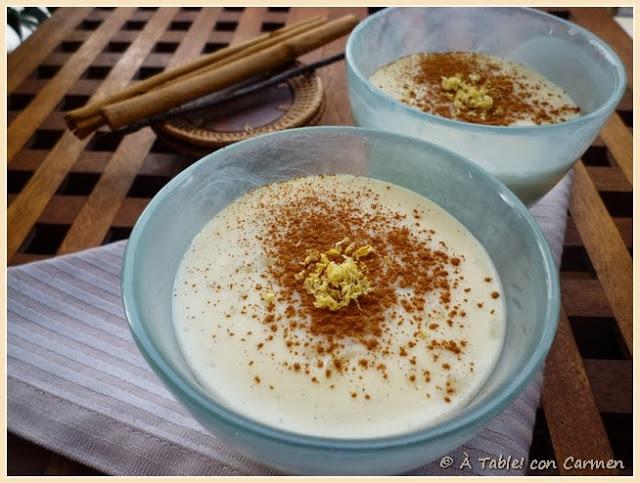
(475, 87)
(339, 306)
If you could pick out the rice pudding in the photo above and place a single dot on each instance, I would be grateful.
(339, 306)
(475, 87)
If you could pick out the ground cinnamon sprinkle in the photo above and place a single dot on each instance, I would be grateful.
(392, 330)
(511, 98)
(404, 268)
(314, 223)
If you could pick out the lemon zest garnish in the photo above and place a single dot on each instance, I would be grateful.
(362, 251)
(312, 257)
(334, 285)
(341, 242)
(269, 297)
(465, 94)
(349, 248)
(473, 77)
(452, 83)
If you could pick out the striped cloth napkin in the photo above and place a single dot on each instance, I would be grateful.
(78, 385)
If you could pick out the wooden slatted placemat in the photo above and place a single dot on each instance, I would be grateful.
(65, 195)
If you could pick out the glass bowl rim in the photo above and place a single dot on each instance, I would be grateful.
(198, 397)
(606, 106)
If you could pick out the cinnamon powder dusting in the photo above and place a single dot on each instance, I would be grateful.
(480, 88)
(337, 287)
(409, 279)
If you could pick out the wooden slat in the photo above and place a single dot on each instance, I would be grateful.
(158, 164)
(131, 36)
(220, 37)
(157, 60)
(94, 219)
(249, 25)
(25, 124)
(26, 208)
(299, 13)
(129, 211)
(275, 16)
(111, 58)
(88, 162)
(102, 13)
(28, 160)
(611, 381)
(334, 87)
(54, 121)
(91, 162)
(333, 76)
(609, 179)
(624, 225)
(164, 164)
(61, 58)
(584, 297)
(83, 87)
(234, 15)
(606, 249)
(570, 409)
(620, 143)
(32, 86)
(576, 275)
(22, 61)
(28, 205)
(93, 222)
(62, 209)
(601, 22)
(21, 258)
(626, 103)
(186, 16)
(625, 228)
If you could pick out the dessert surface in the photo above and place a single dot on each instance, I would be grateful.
(475, 87)
(338, 306)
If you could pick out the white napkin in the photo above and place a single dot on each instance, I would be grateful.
(78, 385)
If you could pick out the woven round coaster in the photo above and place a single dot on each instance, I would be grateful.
(295, 103)
(198, 151)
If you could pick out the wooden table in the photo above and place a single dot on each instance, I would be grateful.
(65, 195)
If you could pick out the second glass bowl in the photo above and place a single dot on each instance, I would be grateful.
(529, 160)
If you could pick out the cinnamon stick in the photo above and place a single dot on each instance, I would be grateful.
(248, 51)
(93, 122)
(93, 108)
(164, 98)
(220, 97)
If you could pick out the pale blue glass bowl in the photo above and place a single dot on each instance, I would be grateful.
(529, 160)
(484, 205)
